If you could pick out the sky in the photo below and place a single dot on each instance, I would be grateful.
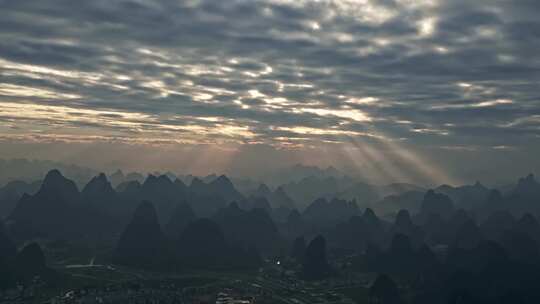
(399, 90)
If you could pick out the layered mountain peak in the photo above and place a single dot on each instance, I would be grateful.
(142, 241)
(150, 180)
(222, 181)
(282, 199)
(403, 219)
(129, 187)
(197, 183)
(437, 203)
(31, 257)
(118, 174)
(528, 220)
(294, 216)
(146, 213)
(53, 176)
(370, 217)
(98, 185)
(164, 179)
(478, 184)
(160, 183)
(494, 196)
(180, 184)
(8, 249)
(468, 236)
(315, 265)
(182, 215)
(232, 210)
(223, 187)
(529, 179)
(263, 190)
(528, 185)
(369, 213)
(55, 182)
(202, 244)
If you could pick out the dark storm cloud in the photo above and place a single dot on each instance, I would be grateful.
(429, 72)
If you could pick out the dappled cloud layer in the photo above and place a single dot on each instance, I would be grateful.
(293, 74)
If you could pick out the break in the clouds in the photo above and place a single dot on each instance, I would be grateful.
(442, 76)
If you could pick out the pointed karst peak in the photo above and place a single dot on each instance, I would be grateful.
(437, 203)
(528, 180)
(370, 217)
(197, 182)
(528, 219)
(118, 173)
(56, 183)
(281, 191)
(142, 242)
(157, 183)
(31, 259)
(101, 177)
(294, 216)
(179, 183)
(98, 182)
(202, 243)
(8, 249)
(403, 219)
(53, 177)
(164, 179)
(384, 290)
(369, 213)
(468, 236)
(145, 212)
(130, 187)
(315, 265)
(298, 248)
(263, 189)
(222, 181)
(54, 173)
(182, 215)
(233, 209)
(151, 178)
(494, 198)
(401, 245)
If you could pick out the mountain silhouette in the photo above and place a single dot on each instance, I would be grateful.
(55, 183)
(202, 244)
(223, 187)
(8, 252)
(324, 211)
(99, 193)
(468, 236)
(30, 263)
(384, 291)
(181, 217)
(254, 227)
(436, 203)
(51, 211)
(497, 223)
(529, 225)
(467, 196)
(12, 192)
(315, 266)
(8, 249)
(299, 248)
(142, 244)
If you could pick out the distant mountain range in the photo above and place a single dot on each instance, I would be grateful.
(167, 224)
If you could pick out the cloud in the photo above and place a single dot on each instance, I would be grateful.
(289, 74)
